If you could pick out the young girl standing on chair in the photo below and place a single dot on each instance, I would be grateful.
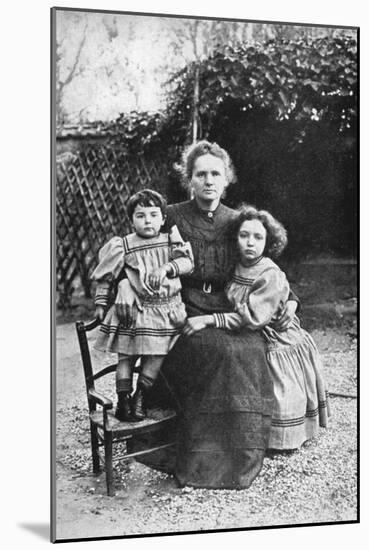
(153, 261)
(258, 290)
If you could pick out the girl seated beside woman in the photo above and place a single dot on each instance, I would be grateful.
(258, 291)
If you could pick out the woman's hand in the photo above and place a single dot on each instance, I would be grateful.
(126, 304)
(285, 317)
(194, 324)
(156, 277)
(100, 313)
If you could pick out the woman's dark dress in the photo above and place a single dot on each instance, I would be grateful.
(218, 381)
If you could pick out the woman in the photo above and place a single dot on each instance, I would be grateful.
(218, 381)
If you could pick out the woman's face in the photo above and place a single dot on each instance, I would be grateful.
(251, 240)
(208, 179)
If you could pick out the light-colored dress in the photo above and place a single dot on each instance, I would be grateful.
(163, 314)
(258, 293)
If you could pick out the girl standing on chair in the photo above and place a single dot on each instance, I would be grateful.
(153, 261)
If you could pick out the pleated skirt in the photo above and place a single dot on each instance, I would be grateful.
(154, 331)
(300, 395)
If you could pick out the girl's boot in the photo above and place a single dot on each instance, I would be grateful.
(123, 410)
(138, 407)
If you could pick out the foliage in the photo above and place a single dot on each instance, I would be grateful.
(286, 111)
(303, 80)
(136, 131)
(103, 67)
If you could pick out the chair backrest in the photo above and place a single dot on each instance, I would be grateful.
(90, 377)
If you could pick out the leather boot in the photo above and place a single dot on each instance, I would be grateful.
(123, 410)
(138, 409)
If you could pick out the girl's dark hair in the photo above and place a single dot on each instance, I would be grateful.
(146, 197)
(196, 150)
(276, 234)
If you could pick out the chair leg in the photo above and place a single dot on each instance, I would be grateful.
(95, 449)
(108, 445)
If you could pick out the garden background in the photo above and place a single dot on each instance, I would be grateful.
(281, 99)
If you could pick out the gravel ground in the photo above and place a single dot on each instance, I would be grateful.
(315, 484)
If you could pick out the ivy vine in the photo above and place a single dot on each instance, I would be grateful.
(302, 80)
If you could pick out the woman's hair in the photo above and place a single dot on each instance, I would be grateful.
(196, 150)
(276, 234)
(146, 197)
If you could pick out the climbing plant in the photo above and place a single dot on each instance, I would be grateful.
(286, 110)
(314, 79)
(303, 80)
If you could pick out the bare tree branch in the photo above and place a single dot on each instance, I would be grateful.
(77, 58)
(61, 84)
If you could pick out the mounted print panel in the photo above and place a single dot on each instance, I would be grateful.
(205, 199)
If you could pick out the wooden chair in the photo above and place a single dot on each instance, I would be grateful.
(106, 430)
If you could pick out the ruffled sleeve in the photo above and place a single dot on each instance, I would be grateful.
(268, 292)
(181, 256)
(111, 263)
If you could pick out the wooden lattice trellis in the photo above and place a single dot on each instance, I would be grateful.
(92, 190)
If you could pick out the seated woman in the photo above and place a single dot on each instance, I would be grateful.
(217, 380)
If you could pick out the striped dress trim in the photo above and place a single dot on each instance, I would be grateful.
(219, 320)
(175, 267)
(245, 281)
(298, 421)
(128, 249)
(294, 421)
(139, 331)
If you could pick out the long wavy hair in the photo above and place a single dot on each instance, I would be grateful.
(276, 234)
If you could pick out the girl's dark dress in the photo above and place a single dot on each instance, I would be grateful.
(217, 380)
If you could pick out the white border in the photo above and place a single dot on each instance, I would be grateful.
(25, 265)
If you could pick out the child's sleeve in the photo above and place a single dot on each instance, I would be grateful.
(268, 292)
(111, 262)
(228, 321)
(292, 296)
(181, 256)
